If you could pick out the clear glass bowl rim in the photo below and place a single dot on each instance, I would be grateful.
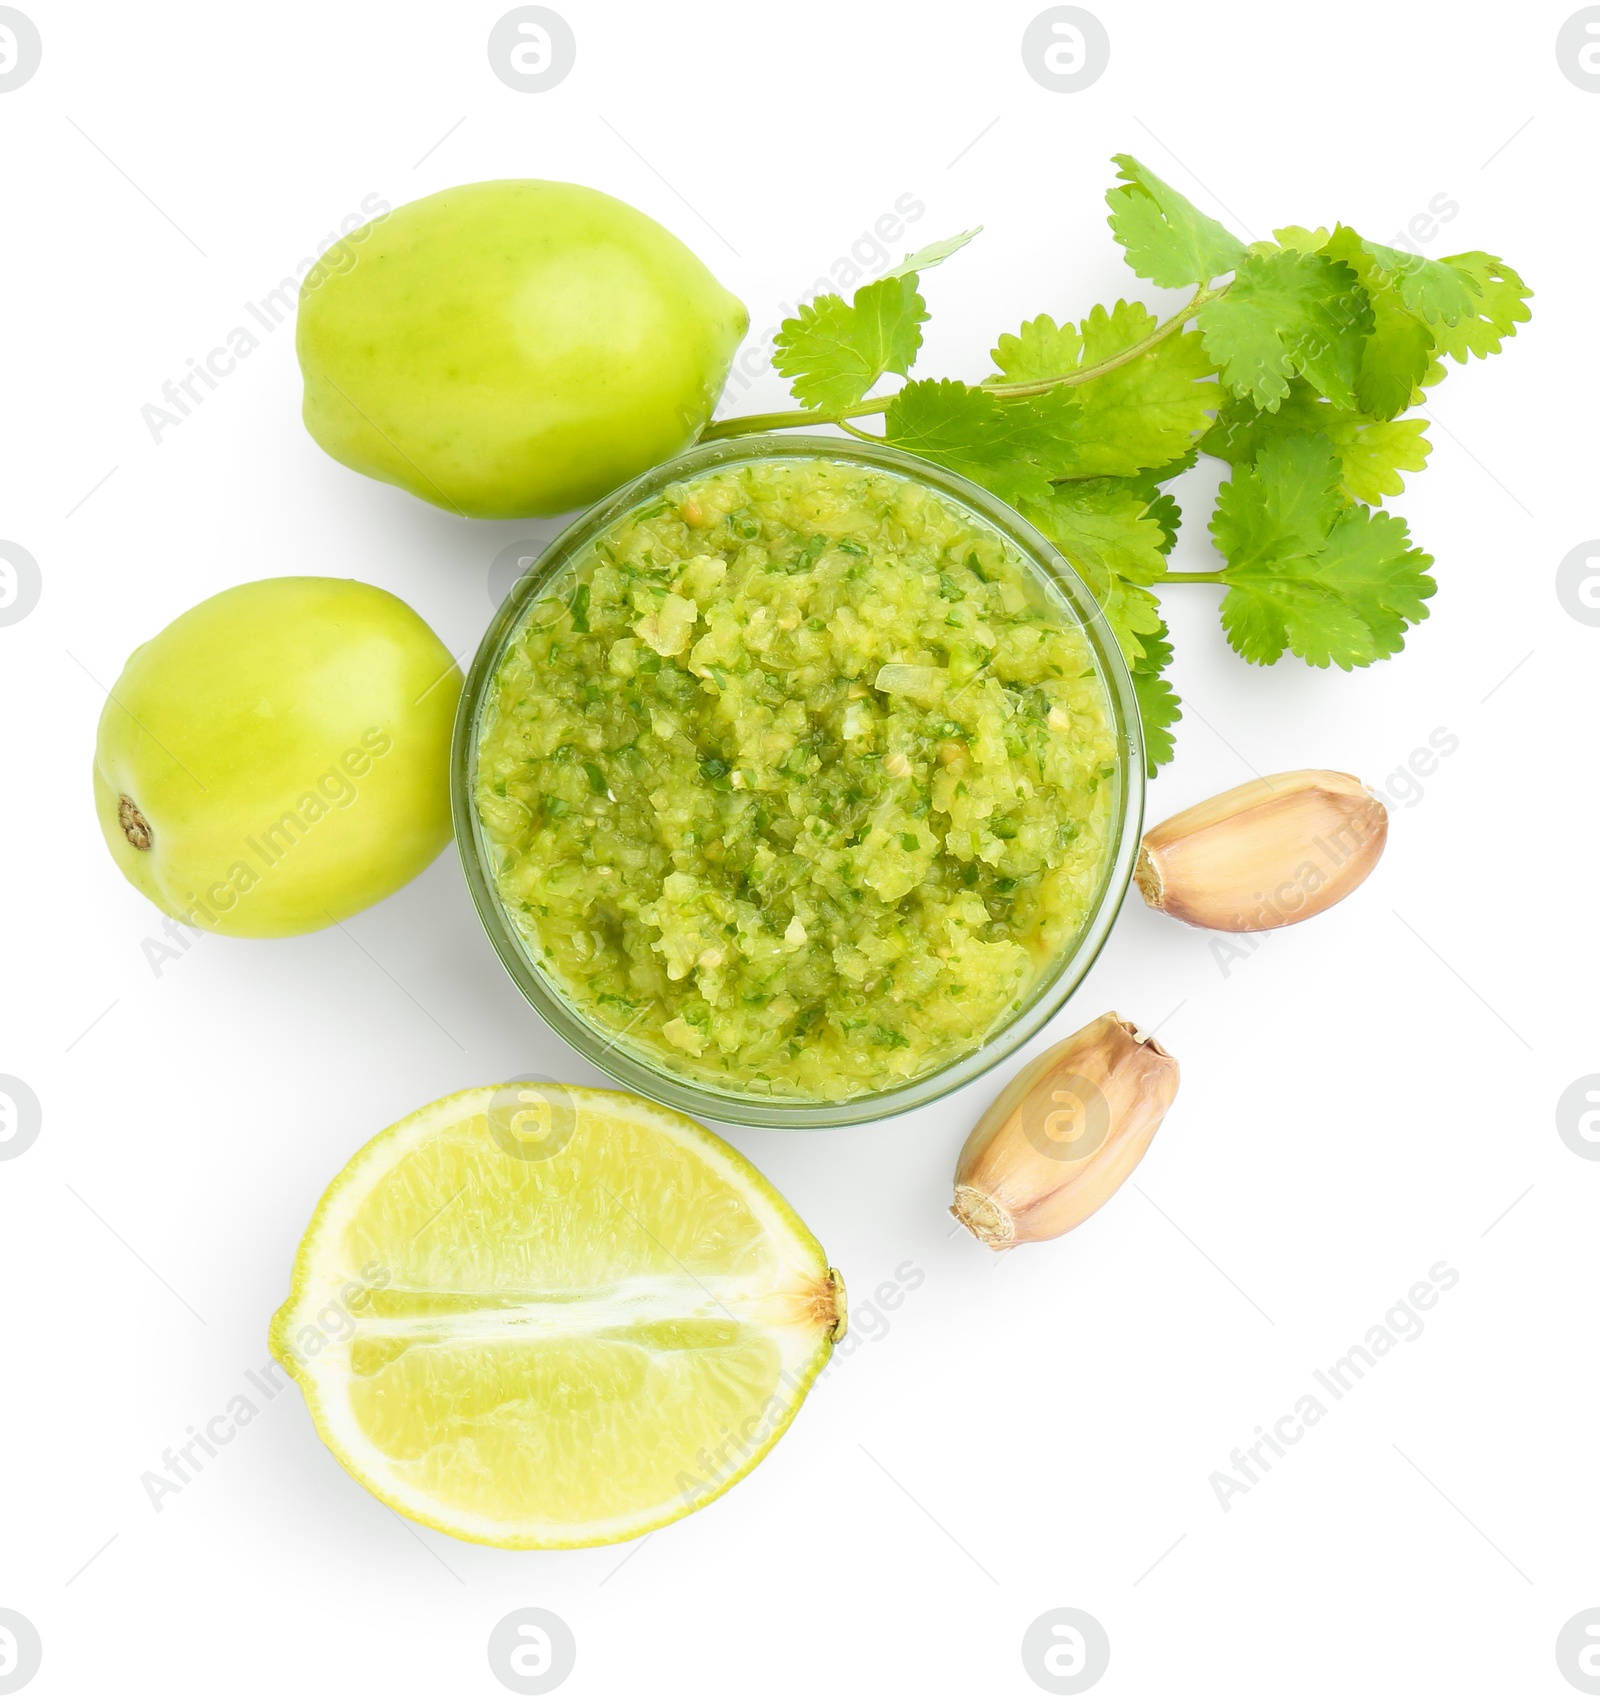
(702, 1099)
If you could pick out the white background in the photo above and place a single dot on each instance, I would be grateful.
(1364, 1096)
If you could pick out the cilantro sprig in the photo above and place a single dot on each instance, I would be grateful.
(1297, 362)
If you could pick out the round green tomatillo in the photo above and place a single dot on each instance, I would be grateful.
(512, 348)
(278, 758)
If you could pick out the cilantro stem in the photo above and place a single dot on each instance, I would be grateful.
(742, 424)
(1083, 374)
(1191, 579)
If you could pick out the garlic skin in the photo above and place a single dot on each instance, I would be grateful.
(1268, 853)
(1064, 1136)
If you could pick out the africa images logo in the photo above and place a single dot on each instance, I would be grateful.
(1401, 1323)
(337, 253)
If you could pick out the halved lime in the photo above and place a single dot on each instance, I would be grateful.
(546, 1317)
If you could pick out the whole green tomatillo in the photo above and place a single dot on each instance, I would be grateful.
(278, 758)
(512, 348)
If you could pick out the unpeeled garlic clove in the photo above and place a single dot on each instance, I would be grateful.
(1064, 1136)
(1270, 852)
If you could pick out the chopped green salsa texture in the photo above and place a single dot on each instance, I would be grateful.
(796, 779)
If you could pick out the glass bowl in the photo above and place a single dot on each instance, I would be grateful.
(643, 1071)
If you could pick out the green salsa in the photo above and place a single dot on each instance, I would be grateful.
(797, 781)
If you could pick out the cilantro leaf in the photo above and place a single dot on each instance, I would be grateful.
(1332, 582)
(1394, 362)
(1164, 510)
(1012, 448)
(1086, 532)
(1298, 237)
(833, 353)
(1375, 454)
(924, 258)
(1132, 613)
(1141, 414)
(1159, 705)
(1167, 239)
(1288, 313)
(1160, 505)
(1349, 604)
(1370, 561)
(1500, 307)
(1372, 453)
(1141, 634)
(1434, 290)
(1152, 477)
(1265, 614)
(1395, 357)
(1130, 609)
(1241, 428)
(1147, 412)
(1157, 647)
(1040, 349)
(1280, 507)
(1102, 526)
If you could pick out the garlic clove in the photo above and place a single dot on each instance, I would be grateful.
(1270, 852)
(1064, 1136)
